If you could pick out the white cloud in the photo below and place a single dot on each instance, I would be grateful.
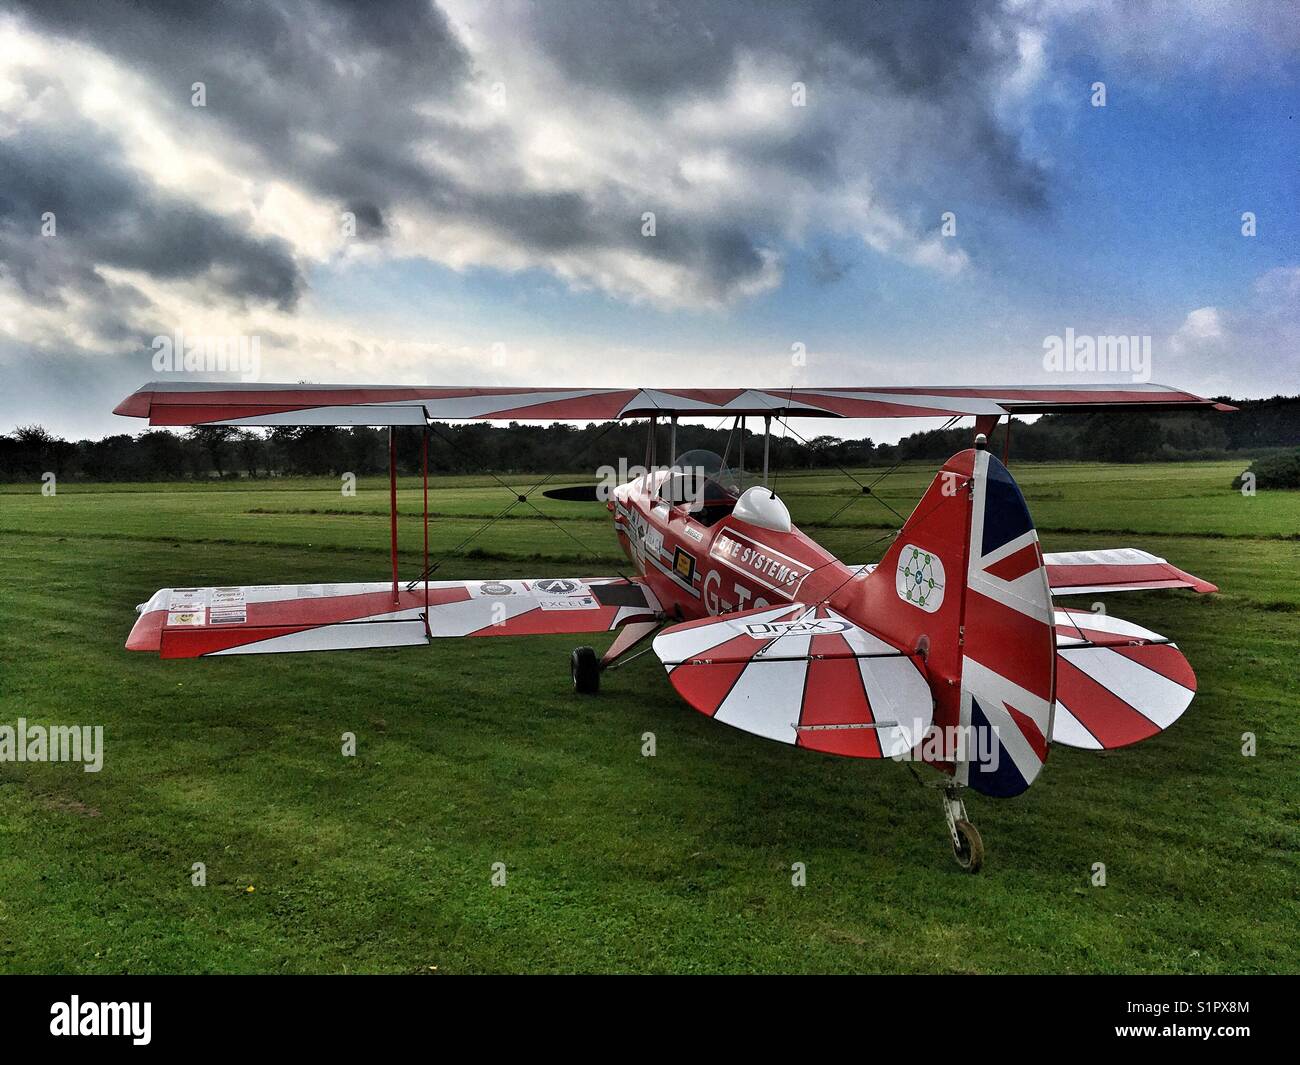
(1250, 349)
(1200, 326)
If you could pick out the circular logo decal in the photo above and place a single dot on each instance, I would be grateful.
(920, 578)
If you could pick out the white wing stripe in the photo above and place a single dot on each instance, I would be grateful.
(691, 643)
(1067, 729)
(1152, 694)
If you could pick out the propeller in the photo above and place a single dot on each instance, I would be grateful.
(578, 493)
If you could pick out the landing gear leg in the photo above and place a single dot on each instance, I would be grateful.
(967, 847)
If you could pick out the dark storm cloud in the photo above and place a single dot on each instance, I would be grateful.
(950, 55)
(325, 91)
(369, 220)
(330, 95)
(659, 49)
(107, 215)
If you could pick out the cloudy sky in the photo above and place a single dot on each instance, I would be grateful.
(456, 192)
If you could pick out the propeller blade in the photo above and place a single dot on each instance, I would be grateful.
(578, 493)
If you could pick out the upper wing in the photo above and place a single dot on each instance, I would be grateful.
(213, 403)
(1118, 569)
(279, 618)
(800, 675)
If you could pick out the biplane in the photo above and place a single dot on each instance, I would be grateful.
(949, 651)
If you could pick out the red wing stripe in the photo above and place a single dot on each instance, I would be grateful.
(706, 687)
(1111, 720)
(1162, 658)
(1063, 576)
(1099, 637)
(836, 695)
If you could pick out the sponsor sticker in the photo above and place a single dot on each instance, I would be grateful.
(227, 616)
(568, 602)
(186, 599)
(493, 588)
(185, 617)
(920, 578)
(557, 586)
(812, 627)
(695, 534)
(684, 564)
(775, 571)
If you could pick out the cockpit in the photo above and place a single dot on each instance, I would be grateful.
(711, 490)
(702, 483)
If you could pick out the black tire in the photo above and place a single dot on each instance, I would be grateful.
(584, 667)
(970, 853)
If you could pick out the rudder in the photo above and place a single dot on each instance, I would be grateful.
(965, 581)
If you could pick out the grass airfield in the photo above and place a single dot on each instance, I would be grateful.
(476, 752)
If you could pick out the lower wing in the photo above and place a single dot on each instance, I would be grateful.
(1117, 569)
(283, 618)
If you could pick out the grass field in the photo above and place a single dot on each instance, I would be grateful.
(476, 752)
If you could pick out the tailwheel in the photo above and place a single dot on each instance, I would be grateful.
(968, 848)
(584, 667)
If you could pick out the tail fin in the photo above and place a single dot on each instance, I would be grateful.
(965, 583)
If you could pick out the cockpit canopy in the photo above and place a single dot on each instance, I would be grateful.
(701, 481)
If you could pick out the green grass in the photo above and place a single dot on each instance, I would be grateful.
(475, 752)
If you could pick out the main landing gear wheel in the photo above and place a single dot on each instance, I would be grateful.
(584, 667)
(968, 848)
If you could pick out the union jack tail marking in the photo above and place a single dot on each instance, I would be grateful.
(1009, 653)
(965, 580)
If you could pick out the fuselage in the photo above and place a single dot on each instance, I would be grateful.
(707, 560)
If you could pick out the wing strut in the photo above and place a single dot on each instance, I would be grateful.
(424, 469)
(392, 503)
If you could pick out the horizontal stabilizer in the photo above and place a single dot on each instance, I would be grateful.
(1116, 683)
(1119, 569)
(800, 675)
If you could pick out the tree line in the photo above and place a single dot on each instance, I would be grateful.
(206, 452)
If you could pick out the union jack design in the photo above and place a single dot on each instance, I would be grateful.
(1008, 672)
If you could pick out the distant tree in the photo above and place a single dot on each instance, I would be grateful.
(162, 454)
(518, 448)
(251, 447)
(213, 440)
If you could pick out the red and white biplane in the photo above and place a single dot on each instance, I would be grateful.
(948, 651)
